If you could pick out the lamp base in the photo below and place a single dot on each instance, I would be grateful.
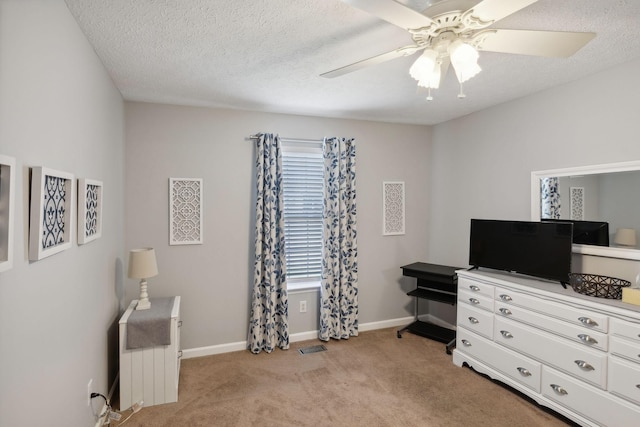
(143, 305)
(143, 301)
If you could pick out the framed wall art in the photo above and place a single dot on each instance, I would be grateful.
(577, 203)
(89, 210)
(393, 208)
(7, 208)
(51, 225)
(185, 211)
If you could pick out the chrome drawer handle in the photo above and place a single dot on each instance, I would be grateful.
(466, 343)
(559, 389)
(638, 385)
(584, 365)
(587, 321)
(474, 301)
(473, 320)
(586, 338)
(506, 334)
(474, 288)
(524, 372)
(505, 297)
(505, 311)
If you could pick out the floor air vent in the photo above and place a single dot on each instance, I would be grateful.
(312, 349)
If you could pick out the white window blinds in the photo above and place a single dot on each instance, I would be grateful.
(302, 166)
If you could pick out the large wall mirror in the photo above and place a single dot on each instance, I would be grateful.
(600, 193)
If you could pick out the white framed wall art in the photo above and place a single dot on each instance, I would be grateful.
(393, 208)
(51, 225)
(185, 211)
(7, 209)
(89, 210)
(577, 203)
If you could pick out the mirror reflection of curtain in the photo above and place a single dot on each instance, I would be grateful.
(549, 198)
(339, 287)
(269, 324)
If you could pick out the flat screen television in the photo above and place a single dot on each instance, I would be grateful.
(587, 232)
(539, 249)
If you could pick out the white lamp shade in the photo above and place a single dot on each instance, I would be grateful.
(432, 80)
(142, 263)
(464, 59)
(625, 237)
(426, 69)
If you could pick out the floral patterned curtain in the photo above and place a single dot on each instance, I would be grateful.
(549, 198)
(339, 288)
(269, 323)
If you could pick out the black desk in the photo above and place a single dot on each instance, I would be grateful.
(436, 283)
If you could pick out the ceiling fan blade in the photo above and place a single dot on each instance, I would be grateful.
(537, 43)
(494, 10)
(403, 51)
(393, 12)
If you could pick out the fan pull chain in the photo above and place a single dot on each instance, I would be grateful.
(429, 97)
(461, 95)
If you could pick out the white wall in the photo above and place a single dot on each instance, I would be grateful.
(481, 164)
(214, 279)
(59, 109)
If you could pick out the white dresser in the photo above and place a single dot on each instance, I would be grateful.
(150, 374)
(576, 354)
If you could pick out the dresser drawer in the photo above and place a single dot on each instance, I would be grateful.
(478, 320)
(584, 363)
(590, 402)
(475, 286)
(514, 365)
(625, 348)
(625, 329)
(577, 316)
(475, 299)
(577, 333)
(624, 379)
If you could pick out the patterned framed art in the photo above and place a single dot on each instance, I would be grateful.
(51, 225)
(185, 211)
(7, 208)
(89, 210)
(577, 203)
(393, 208)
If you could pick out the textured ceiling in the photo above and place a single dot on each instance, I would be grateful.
(267, 55)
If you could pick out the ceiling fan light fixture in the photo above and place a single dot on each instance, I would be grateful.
(431, 80)
(464, 59)
(424, 65)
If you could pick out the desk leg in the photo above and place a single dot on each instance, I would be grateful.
(415, 319)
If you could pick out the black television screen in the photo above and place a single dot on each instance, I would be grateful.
(540, 249)
(587, 232)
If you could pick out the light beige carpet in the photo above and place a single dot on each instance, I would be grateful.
(374, 379)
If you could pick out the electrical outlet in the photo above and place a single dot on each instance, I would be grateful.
(89, 387)
(303, 306)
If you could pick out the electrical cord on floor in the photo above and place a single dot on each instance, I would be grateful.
(108, 409)
(134, 409)
(110, 415)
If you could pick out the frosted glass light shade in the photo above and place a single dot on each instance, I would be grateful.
(426, 69)
(142, 263)
(464, 59)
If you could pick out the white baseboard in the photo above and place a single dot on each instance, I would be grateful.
(300, 336)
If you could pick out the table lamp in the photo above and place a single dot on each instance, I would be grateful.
(142, 265)
(625, 237)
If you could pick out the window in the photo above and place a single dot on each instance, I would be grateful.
(302, 167)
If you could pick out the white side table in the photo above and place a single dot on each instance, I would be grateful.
(150, 374)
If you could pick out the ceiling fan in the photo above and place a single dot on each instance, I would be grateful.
(454, 32)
